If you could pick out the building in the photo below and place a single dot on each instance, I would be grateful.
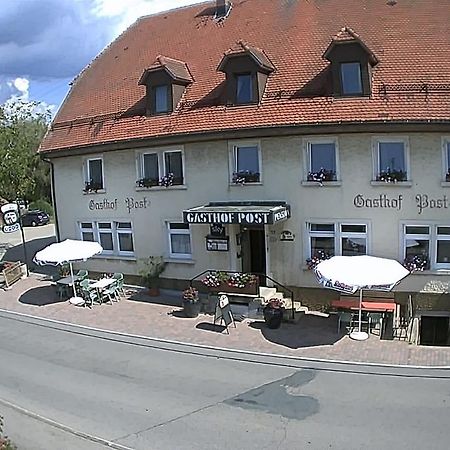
(254, 135)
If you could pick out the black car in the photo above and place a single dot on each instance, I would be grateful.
(34, 218)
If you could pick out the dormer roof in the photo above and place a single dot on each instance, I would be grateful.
(256, 54)
(347, 36)
(176, 69)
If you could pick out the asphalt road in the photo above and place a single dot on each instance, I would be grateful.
(36, 238)
(142, 394)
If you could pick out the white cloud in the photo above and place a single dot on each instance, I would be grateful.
(131, 10)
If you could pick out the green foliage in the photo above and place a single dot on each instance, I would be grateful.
(24, 175)
(5, 443)
(151, 268)
(42, 205)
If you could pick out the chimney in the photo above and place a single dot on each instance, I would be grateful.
(223, 8)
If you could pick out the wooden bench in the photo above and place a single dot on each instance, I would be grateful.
(371, 296)
(11, 273)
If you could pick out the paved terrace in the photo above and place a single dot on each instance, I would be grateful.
(314, 336)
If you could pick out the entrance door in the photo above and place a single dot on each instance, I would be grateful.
(253, 249)
(434, 330)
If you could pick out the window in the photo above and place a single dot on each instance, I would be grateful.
(124, 237)
(93, 175)
(105, 235)
(246, 164)
(391, 160)
(446, 148)
(149, 170)
(340, 238)
(173, 164)
(179, 240)
(351, 78)
(87, 231)
(244, 86)
(161, 99)
(428, 246)
(116, 238)
(160, 168)
(321, 161)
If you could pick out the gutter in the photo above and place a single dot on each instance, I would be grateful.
(52, 188)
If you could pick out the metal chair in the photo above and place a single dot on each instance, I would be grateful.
(119, 284)
(375, 319)
(344, 318)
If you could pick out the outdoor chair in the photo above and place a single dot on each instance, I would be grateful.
(110, 293)
(365, 321)
(82, 274)
(346, 319)
(90, 295)
(375, 322)
(119, 284)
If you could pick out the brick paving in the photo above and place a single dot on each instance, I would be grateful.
(313, 336)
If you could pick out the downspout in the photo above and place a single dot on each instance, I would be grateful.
(52, 188)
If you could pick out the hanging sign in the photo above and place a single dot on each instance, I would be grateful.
(217, 244)
(10, 213)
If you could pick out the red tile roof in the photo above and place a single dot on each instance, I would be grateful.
(411, 81)
(178, 70)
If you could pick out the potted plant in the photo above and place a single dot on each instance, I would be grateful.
(191, 302)
(273, 312)
(151, 269)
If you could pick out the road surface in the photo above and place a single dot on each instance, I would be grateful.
(136, 393)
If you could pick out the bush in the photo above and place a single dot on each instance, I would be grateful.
(5, 443)
(42, 205)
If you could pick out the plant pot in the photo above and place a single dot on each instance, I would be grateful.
(191, 308)
(273, 317)
(153, 291)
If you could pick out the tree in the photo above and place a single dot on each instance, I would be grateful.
(23, 175)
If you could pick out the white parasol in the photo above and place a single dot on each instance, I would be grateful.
(68, 251)
(351, 273)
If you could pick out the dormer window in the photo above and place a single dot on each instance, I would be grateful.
(351, 78)
(246, 69)
(244, 88)
(165, 82)
(351, 64)
(161, 99)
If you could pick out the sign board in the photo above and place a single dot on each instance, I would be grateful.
(287, 235)
(217, 230)
(271, 216)
(215, 244)
(10, 215)
(223, 312)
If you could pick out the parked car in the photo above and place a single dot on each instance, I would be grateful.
(34, 218)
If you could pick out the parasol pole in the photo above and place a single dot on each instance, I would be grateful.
(360, 306)
(73, 283)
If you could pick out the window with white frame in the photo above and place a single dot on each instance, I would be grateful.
(326, 239)
(391, 160)
(426, 246)
(446, 159)
(116, 238)
(179, 240)
(160, 168)
(173, 166)
(246, 164)
(93, 174)
(321, 157)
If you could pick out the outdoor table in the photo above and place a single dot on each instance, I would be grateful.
(102, 284)
(353, 304)
(67, 281)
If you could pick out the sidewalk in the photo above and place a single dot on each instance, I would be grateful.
(313, 337)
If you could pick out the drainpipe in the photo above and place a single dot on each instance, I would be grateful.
(52, 186)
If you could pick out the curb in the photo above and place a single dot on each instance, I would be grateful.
(227, 350)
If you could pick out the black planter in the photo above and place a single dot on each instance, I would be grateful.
(273, 317)
(191, 308)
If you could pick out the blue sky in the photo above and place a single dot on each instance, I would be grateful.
(44, 44)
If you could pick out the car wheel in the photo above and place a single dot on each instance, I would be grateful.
(33, 223)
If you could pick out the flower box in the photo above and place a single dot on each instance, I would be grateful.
(251, 289)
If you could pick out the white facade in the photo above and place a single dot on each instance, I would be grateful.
(374, 213)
